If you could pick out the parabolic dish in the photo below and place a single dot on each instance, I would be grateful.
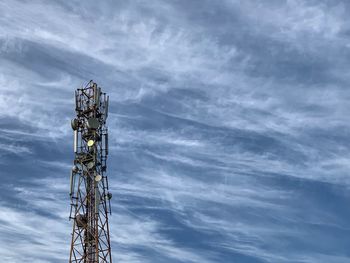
(75, 169)
(74, 123)
(93, 123)
(109, 196)
(90, 143)
(98, 178)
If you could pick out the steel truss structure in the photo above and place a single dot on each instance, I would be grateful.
(90, 198)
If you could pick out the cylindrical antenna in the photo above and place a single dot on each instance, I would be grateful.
(75, 141)
(97, 92)
(72, 183)
(106, 112)
(106, 142)
(77, 106)
(97, 199)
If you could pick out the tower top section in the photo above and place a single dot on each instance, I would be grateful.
(90, 102)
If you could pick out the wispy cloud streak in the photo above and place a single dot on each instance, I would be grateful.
(228, 127)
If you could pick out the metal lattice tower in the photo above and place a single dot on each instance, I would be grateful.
(90, 199)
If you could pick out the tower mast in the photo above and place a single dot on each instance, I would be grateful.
(90, 198)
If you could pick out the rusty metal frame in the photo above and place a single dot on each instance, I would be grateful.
(90, 199)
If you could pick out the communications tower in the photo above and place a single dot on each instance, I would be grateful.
(90, 198)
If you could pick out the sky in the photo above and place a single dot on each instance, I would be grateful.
(228, 125)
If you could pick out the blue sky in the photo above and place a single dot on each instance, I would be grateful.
(229, 127)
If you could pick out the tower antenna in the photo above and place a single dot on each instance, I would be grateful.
(89, 194)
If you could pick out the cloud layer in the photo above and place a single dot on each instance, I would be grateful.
(228, 126)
